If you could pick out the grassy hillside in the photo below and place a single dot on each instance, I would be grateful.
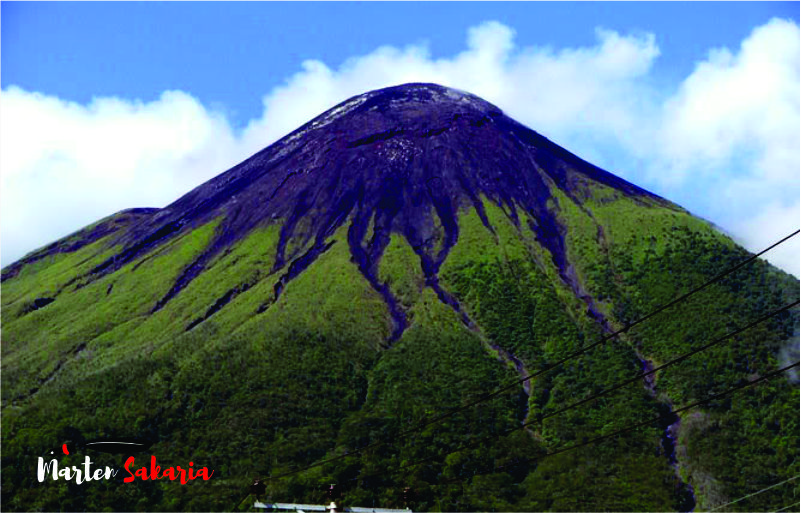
(229, 377)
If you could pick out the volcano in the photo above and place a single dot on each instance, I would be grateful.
(399, 256)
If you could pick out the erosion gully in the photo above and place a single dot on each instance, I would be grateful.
(670, 422)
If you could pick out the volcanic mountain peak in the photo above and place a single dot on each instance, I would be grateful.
(425, 109)
(406, 160)
(415, 101)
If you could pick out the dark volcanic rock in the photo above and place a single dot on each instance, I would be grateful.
(41, 302)
(398, 156)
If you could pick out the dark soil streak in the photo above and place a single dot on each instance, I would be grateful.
(477, 204)
(221, 241)
(287, 231)
(367, 260)
(367, 268)
(224, 300)
(299, 265)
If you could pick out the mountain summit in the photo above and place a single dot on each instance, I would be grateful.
(406, 160)
(399, 256)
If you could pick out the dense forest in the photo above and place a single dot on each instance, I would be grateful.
(309, 380)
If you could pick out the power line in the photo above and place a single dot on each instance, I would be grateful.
(623, 430)
(548, 368)
(581, 351)
(787, 507)
(755, 493)
(603, 392)
(670, 363)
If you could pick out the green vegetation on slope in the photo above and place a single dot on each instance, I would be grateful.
(734, 446)
(228, 377)
(520, 309)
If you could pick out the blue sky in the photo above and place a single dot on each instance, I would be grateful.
(113, 105)
(230, 54)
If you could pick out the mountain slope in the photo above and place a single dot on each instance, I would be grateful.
(398, 256)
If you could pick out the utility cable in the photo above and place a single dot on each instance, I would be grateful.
(787, 507)
(577, 353)
(620, 385)
(548, 368)
(756, 493)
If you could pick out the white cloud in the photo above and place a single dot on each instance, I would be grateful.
(560, 92)
(770, 224)
(65, 165)
(734, 129)
(733, 102)
(731, 128)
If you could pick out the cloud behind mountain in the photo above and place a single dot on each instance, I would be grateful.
(724, 142)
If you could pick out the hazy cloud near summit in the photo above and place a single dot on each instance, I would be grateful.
(723, 143)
